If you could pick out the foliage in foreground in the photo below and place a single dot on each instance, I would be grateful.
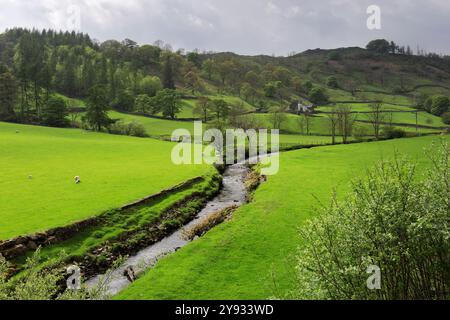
(392, 220)
(37, 284)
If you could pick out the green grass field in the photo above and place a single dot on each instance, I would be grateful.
(72, 102)
(251, 256)
(320, 124)
(232, 100)
(291, 135)
(424, 118)
(164, 128)
(406, 116)
(364, 107)
(298, 140)
(155, 127)
(114, 170)
(118, 222)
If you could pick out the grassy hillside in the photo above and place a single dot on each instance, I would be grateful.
(361, 75)
(250, 257)
(319, 124)
(371, 71)
(114, 170)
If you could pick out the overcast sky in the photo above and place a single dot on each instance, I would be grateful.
(242, 26)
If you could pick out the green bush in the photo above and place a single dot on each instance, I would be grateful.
(38, 284)
(394, 133)
(391, 220)
(171, 224)
(441, 105)
(332, 82)
(137, 129)
(318, 96)
(446, 118)
(132, 128)
(98, 234)
(55, 112)
(124, 101)
(334, 56)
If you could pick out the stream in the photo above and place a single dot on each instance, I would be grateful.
(233, 193)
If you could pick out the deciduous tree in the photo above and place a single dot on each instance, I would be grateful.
(97, 108)
(202, 108)
(55, 112)
(8, 95)
(376, 118)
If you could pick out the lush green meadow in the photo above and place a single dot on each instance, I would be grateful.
(39, 165)
(423, 118)
(299, 140)
(251, 256)
(365, 107)
(320, 124)
(234, 101)
(291, 135)
(164, 128)
(155, 127)
(393, 114)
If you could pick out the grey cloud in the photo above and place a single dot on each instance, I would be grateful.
(243, 26)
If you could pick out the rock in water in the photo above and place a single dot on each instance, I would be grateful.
(130, 274)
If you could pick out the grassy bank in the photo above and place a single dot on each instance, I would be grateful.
(250, 257)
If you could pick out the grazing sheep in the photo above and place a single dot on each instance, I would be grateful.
(77, 180)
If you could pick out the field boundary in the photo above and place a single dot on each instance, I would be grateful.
(141, 114)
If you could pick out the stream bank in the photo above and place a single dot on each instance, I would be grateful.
(234, 193)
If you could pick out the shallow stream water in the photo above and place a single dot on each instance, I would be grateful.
(233, 193)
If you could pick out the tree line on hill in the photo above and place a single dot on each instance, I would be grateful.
(384, 46)
(37, 64)
(150, 79)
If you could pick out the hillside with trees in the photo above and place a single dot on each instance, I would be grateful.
(155, 80)
(113, 203)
